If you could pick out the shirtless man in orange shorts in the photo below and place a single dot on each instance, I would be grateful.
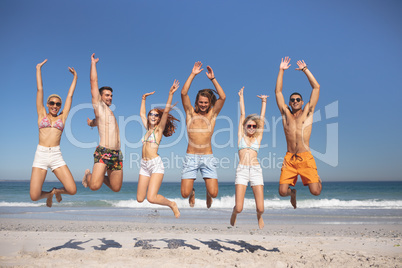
(297, 124)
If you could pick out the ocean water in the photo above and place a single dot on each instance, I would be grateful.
(339, 202)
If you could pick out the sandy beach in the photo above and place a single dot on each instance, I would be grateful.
(46, 243)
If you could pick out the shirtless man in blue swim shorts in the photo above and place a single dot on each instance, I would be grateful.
(200, 122)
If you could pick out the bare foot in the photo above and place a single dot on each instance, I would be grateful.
(233, 218)
(209, 200)
(84, 180)
(191, 199)
(49, 200)
(260, 221)
(293, 198)
(175, 209)
(56, 192)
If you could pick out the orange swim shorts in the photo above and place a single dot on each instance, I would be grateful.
(302, 164)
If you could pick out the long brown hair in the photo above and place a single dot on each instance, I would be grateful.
(170, 126)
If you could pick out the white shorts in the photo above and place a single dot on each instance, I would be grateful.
(152, 166)
(252, 174)
(48, 157)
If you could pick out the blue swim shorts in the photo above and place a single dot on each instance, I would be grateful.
(206, 163)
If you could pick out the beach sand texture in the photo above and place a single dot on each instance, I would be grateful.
(47, 243)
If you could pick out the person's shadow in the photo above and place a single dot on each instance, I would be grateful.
(249, 247)
(107, 244)
(70, 244)
(217, 245)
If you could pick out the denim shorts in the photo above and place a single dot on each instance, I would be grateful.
(206, 163)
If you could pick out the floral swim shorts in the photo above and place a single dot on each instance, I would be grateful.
(113, 159)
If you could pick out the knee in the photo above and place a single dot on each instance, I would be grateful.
(140, 199)
(72, 190)
(151, 199)
(115, 188)
(260, 210)
(315, 192)
(283, 192)
(34, 196)
(214, 193)
(185, 193)
(238, 209)
(94, 186)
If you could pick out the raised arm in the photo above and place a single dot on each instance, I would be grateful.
(70, 94)
(143, 110)
(315, 93)
(280, 100)
(39, 93)
(240, 131)
(94, 80)
(262, 114)
(222, 96)
(263, 106)
(165, 115)
(184, 92)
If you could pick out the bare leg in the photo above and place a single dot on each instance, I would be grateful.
(258, 191)
(66, 178)
(153, 197)
(95, 180)
(315, 188)
(239, 201)
(38, 176)
(285, 190)
(187, 190)
(212, 190)
(114, 180)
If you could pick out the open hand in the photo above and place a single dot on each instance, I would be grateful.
(197, 68)
(174, 87)
(301, 65)
(210, 73)
(285, 64)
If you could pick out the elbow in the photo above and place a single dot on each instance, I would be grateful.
(223, 97)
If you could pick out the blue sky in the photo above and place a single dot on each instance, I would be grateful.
(353, 48)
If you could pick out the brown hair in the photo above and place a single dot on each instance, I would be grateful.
(209, 93)
(256, 118)
(105, 88)
(170, 126)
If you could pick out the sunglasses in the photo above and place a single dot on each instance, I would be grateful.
(293, 99)
(51, 103)
(252, 126)
(152, 114)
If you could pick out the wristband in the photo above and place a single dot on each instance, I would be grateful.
(304, 68)
(212, 78)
